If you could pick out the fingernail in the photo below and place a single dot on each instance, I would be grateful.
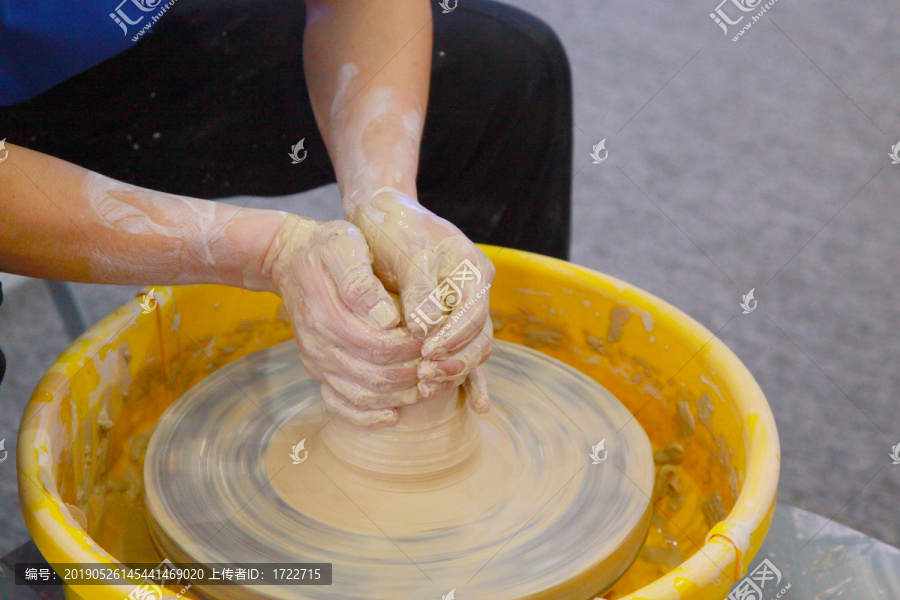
(384, 314)
(387, 416)
(425, 388)
(482, 406)
(429, 370)
(425, 370)
(411, 396)
(432, 351)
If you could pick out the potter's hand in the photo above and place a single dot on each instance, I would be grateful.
(344, 321)
(443, 280)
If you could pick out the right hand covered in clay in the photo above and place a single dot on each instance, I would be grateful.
(443, 280)
(344, 321)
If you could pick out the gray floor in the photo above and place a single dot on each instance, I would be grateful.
(762, 163)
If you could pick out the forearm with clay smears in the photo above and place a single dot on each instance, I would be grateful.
(60, 221)
(81, 226)
(368, 66)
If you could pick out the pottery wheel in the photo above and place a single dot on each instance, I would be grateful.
(502, 506)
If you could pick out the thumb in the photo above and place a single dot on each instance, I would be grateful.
(421, 298)
(349, 262)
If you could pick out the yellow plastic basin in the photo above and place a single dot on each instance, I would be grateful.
(84, 432)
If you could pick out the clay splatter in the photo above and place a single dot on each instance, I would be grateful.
(617, 319)
(672, 454)
(705, 409)
(595, 343)
(714, 510)
(686, 419)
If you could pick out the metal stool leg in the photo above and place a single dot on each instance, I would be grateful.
(68, 307)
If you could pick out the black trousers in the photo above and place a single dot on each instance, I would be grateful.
(2, 357)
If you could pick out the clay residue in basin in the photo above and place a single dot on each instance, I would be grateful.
(617, 318)
(672, 454)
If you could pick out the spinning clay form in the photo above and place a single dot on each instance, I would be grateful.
(547, 495)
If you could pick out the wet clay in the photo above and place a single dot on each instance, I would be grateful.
(505, 505)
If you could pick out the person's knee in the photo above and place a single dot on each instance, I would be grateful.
(540, 49)
(549, 45)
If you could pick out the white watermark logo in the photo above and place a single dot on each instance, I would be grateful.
(895, 455)
(5, 453)
(451, 595)
(295, 452)
(748, 303)
(596, 450)
(895, 153)
(601, 145)
(150, 591)
(146, 591)
(751, 587)
(721, 17)
(6, 152)
(724, 21)
(295, 159)
(448, 295)
(149, 302)
(122, 16)
(447, 7)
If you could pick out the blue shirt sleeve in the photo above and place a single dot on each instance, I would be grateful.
(44, 42)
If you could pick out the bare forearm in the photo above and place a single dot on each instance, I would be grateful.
(368, 66)
(60, 221)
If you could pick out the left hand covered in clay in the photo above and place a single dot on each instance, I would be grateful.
(344, 321)
(426, 259)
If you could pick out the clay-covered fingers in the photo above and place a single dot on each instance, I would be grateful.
(348, 260)
(355, 379)
(365, 398)
(335, 324)
(419, 294)
(327, 317)
(324, 358)
(470, 274)
(345, 323)
(475, 387)
(333, 297)
(343, 408)
(361, 392)
(379, 379)
(439, 375)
